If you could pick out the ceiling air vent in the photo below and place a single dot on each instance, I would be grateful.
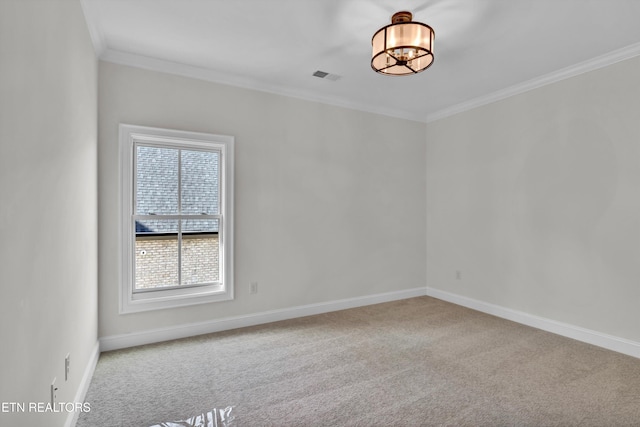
(326, 76)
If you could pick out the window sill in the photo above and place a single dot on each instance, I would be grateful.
(159, 300)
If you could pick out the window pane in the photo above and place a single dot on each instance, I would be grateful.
(156, 180)
(200, 186)
(156, 257)
(200, 251)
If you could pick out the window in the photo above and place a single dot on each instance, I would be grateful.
(177, 221)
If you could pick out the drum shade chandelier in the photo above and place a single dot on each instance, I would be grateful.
(403, 47)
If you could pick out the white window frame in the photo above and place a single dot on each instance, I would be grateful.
(133, 302)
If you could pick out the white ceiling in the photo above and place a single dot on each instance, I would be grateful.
(485, 49)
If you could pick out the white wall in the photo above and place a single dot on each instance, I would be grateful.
(330, 202)
(535, 200)
(48, 203)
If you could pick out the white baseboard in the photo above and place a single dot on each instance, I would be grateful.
(72, 417)
(115, 342)
(599, 339)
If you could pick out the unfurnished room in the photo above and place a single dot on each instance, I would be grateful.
(319, 213)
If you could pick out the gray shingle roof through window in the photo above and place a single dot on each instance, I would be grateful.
(157, 181)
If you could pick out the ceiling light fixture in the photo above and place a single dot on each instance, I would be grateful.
(403, 47)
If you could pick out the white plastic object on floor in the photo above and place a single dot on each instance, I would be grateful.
(215, 418)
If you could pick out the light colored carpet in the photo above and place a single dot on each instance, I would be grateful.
(415, 362)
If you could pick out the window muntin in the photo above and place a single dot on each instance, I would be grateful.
(177, 230)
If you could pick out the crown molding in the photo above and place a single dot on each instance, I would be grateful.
(602, 61)
(206, 74)
(97, 38)
(200, 73)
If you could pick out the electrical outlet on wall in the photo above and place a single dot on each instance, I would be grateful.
(254, 287)
(54, 392)
(67, 366)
